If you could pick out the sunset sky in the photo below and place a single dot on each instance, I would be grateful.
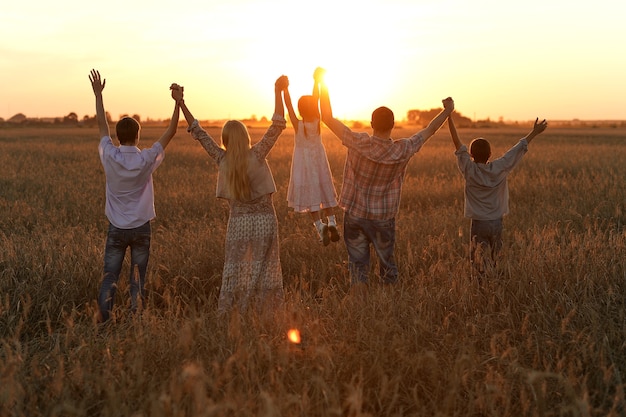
(498, 59)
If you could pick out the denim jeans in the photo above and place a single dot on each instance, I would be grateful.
(485, 243)
(118, 240)
(359, 234)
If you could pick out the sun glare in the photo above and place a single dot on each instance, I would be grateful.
(354, 92)
(363, 71)
(357, 81)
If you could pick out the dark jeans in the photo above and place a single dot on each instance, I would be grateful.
(485, 244)
(118, 240)
(359, 234)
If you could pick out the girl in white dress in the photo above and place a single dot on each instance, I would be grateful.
(311, 187)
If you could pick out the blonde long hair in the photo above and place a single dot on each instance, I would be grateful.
(236, 140)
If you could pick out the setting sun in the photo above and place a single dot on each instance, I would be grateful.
(398, 53)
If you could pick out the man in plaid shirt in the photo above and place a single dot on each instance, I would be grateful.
(372, 185)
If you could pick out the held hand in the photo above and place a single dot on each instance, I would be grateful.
(97, 83)
(448, 104)
(318, 74)
(281, 83)
(177, 92)
(539, 126)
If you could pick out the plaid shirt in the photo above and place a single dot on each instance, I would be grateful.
(374, 173)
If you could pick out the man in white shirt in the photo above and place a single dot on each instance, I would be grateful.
(129, 198)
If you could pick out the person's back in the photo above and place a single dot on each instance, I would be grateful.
(243, 172)
(311, 188)
(374, 174)
(129, 203)
(372, 185)
(487, 193)
(128, 171)
(252, 273)
(486, 185)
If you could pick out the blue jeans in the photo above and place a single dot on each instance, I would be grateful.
(359, 234)
(118, 240)
(485, 243)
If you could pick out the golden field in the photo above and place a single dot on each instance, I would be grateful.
(543, 337)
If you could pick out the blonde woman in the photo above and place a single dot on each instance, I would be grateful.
(252, 273)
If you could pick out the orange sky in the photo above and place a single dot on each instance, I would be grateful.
(552, 59)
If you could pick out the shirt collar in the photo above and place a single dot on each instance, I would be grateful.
(128, 148)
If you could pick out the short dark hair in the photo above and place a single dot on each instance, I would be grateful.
(382, 119)
(127, 130)
(480, 150)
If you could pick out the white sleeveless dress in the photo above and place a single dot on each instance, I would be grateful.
(311, 185)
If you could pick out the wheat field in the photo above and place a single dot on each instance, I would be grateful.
(544, 336)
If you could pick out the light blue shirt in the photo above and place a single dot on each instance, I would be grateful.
(129, 188)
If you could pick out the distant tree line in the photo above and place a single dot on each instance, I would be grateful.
(413, 117)
(71, 119)
(423, 117)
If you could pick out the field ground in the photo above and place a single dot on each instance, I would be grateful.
(544, 336)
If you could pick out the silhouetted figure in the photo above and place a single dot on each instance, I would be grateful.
(372, 185)
(129, 198)
(252, 272)
(311, 185)
(487, 192)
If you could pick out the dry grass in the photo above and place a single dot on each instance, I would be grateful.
(544, 337)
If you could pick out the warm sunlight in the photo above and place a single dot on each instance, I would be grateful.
(403, 54)
(358, 81)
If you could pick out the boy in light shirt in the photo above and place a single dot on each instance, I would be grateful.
(129, 198)
(487, 192)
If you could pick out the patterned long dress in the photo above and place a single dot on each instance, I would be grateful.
(252, 273)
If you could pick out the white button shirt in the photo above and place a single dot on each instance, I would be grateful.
(129, 187)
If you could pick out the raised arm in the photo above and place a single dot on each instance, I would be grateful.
(538, 128)
(318, 78)
(265, 145)
(293, 118)
(97, 84)
(454, 134)
(181, 103)
(281, 84)
(333, 124)
(215, 151)
(437, 122)
(177, 95)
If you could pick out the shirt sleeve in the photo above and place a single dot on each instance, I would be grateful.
(156, 154)
(207, 142)
(265, 145)
(415, 143)
(104, 145)
(351, 139)
(462, 158)
(511, 158)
